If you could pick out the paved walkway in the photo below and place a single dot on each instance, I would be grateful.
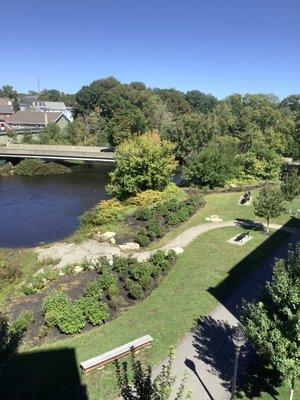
(206, 354)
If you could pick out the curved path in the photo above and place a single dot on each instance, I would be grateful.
(71, 253)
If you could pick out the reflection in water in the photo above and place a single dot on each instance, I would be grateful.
(45, 209)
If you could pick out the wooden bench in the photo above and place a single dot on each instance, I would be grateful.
(240, 237)
(116, 354)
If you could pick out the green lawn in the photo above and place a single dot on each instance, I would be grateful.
(226, 206)
(208, 265)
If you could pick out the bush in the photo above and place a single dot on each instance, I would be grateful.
(122, 265)
(162, 260)
(34, 167)
(56, 301)
(52, 318)
(146, 198)
(107, 279)
(22, 323)
(155, 229)
(172, 191)
(173, 219)
(135, 290)
(143, 213)
(94, 290)
(72, 320)
(107, 211)
(96, 312)
(9, 272)
(142, 273)
(142, 238)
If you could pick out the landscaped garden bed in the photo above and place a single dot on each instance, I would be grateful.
(65, 302)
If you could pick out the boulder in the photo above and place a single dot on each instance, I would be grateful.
(178, 250)
(105, 236)
(143, 257)
(213, 218)
(112, 240)
(129, 246)
(78, 269)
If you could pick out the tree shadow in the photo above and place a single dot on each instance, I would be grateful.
(260, 379)
(42, 375)
(250, 224)
(212, 341)
(247, 279)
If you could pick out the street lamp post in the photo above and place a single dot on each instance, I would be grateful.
(239, 340)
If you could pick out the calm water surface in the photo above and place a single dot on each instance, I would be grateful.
(45, 209)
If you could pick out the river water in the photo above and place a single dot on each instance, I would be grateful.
(46, 209)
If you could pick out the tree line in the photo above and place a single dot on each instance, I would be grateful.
(242, 137)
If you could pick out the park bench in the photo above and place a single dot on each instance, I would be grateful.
(242, 236)
(116, 354)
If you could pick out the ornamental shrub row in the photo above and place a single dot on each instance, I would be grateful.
(158, 218)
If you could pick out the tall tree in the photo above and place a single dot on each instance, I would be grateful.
(272, 324)
(142, 162)
(268, 204)
(291, 186)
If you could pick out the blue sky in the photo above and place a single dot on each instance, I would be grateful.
(215, 46)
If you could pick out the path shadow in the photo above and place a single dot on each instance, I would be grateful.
(212, 341)
(42, 375)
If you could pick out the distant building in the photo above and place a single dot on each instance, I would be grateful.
(56, 106)
(5, 101)
(23, 120)
(6, 112)
(32, 103)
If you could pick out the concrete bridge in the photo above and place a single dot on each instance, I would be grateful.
(57, 152)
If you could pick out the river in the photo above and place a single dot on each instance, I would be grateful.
(46, 209)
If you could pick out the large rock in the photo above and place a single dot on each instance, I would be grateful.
(105, 236)
(214, 218)
(129, 246)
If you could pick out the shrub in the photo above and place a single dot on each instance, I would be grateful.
(22, 323)
(135, 290)
(173, 219)
(94, 290)
(68, 270)
(155, 229)
(172, 191)
(112, 291)
(105, 212)
(142, 238)
(142, 273)
(9, 272)
(72, 320)
(122, 265)
(117, 302)
(172, 204)
(96, 312)
(162, 260)
(56, 301)
(36, 284)
(107, 279)
(143, 213)
(183, 213)
(33, 167)
(52, 318)
(146, 198)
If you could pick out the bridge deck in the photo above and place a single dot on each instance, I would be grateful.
(57, 152)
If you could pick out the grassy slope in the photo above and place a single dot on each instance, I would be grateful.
(167, 314)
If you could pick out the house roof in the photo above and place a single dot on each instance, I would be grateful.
(35, 117)
(4, 101)
(6, 110)
(56, 105)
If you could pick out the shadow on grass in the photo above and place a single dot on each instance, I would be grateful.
(44, 375)
(212, 338)
(260, 379)
(251, 273)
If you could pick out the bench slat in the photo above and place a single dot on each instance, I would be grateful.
(116, 354)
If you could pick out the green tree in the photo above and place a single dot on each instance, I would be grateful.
(291, 186)
(143, 386)
(272, 324)
(201, 102)
(50, 95)
(268, 204)
(215, 164)
(142, 162)
(189, 133)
